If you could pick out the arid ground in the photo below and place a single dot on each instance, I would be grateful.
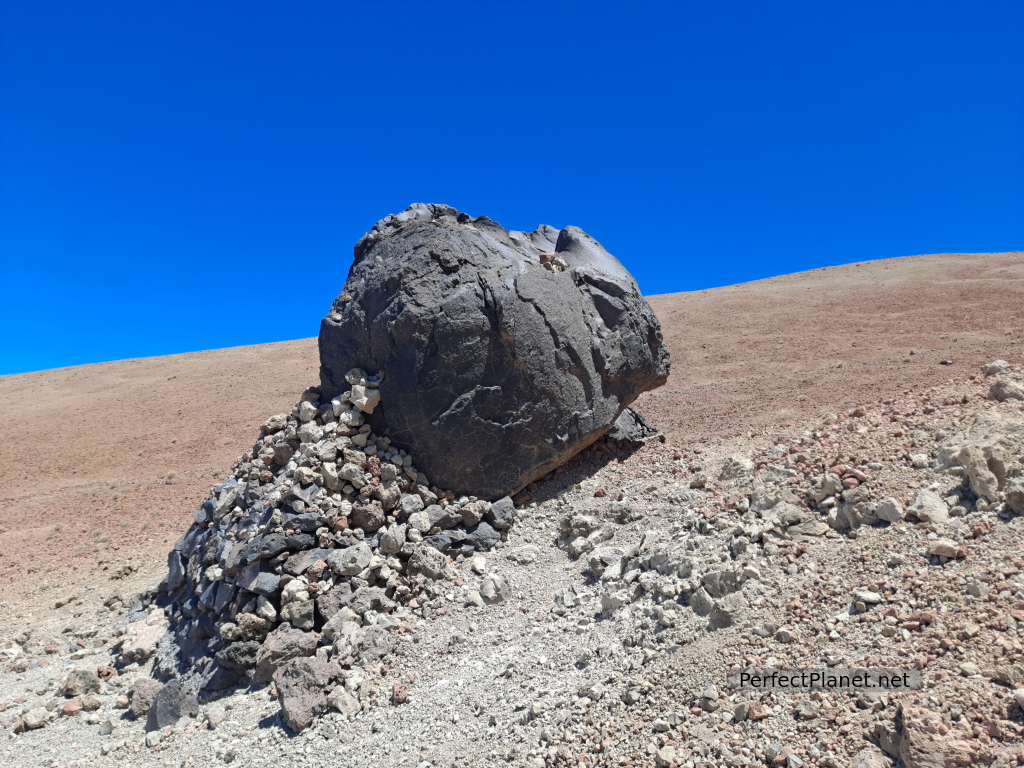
(865, 371)
(104, 464)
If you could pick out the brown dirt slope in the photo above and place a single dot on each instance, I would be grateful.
(103, 464)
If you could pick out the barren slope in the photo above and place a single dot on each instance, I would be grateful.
(103, 464)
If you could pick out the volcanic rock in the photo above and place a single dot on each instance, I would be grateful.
(302, 686)
(141, 695)
(495, 368)
(170, 704)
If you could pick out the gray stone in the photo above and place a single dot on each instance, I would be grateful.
(141, 695)
(525, 554)
(170, 704)
(283, 644)
(1004, 389)
(828, 485)
(890, 510)
(721, 583)
(701, 602)
(302, 686)
(727, 611)
(736, 467)
(428, 561)
(35, 718)
(410, 504)
(489, 354)
(920, 460)
(393, 539)
(607, 560)
(942, 548)
(501, 514)
(995, 367)
(1015, 495)
(870, 757)
(79, 682)
(300, 614)
(343, 701)
(351, 560)
(361, 645)
(930, 507)
(495, 589)
(982, 480)
(483, 538)
(371, 599)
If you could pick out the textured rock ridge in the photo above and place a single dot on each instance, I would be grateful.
(503, 353)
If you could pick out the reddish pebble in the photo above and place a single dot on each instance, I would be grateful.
(72, 707)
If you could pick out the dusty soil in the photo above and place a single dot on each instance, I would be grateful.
(759, 354)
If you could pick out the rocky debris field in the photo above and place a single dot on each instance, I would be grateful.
(626, 591)
(324, 526)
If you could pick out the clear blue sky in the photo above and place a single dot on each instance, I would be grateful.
(190, 175)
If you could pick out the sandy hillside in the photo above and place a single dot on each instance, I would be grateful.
(821, 497)
(105, 463)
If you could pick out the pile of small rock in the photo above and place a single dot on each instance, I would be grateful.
(894, 526)
(326, 532)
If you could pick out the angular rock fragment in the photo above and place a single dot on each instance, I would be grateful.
(302, 687)
(141, 695)
(170, 704)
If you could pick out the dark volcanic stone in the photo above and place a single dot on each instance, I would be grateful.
(440, 542)
(501, 514)
(169, 705)
(328, 604)
(240, 655)
(496, 368)
(307, 522)
(299, 542)
(631, 427)
(298, 563)
(255, 579)
(265, 547)
(220, 677)
(483, 538)
(443, 517)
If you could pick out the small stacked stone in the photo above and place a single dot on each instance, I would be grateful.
(323, 525)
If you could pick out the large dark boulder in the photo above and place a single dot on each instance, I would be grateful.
(503, 353)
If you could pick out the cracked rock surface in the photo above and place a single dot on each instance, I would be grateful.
(503, 353)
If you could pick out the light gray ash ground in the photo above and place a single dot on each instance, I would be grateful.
(888, 536)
